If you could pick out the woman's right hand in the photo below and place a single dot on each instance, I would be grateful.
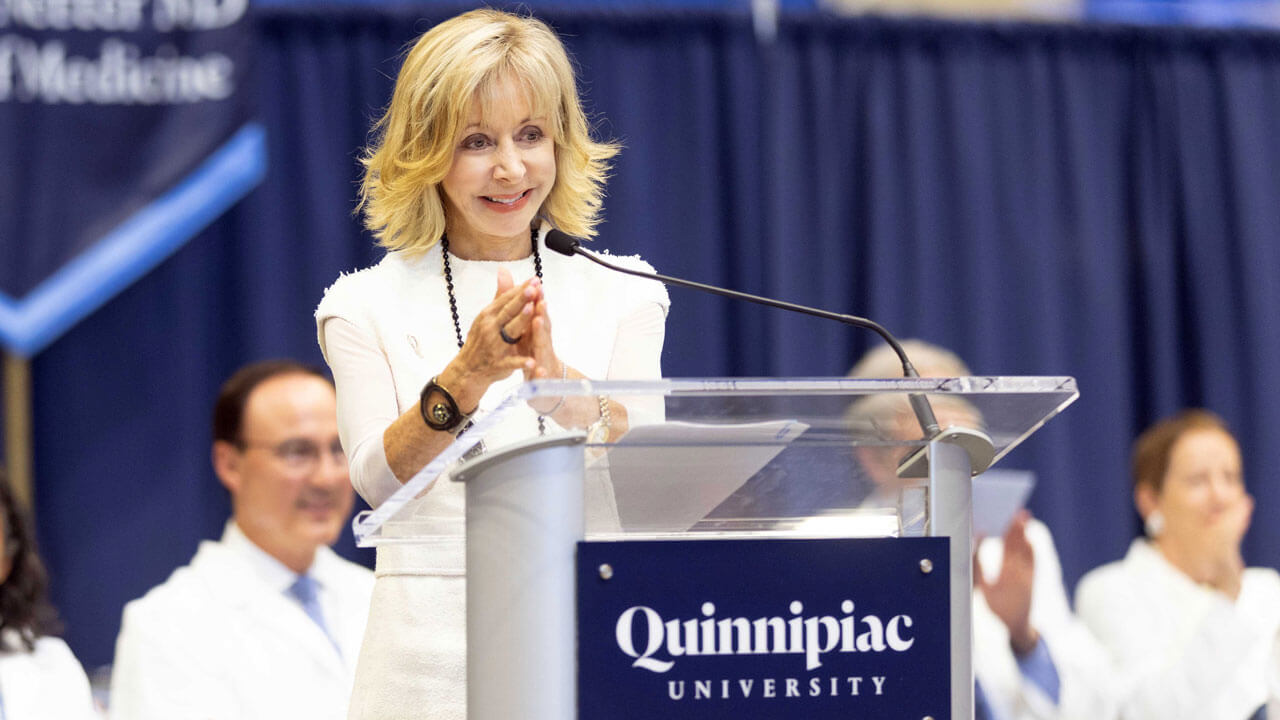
(485, 357)
(1226, 572)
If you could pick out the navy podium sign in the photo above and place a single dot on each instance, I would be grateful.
(783, 628)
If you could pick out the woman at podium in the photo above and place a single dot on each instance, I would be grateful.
(483, 149)
(1192, 630)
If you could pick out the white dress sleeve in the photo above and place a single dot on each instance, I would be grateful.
(367, 395)
(637, 350)
(637, 354)
(366, 406)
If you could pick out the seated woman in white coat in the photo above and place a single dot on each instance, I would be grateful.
(39, 677)
(1192, 630)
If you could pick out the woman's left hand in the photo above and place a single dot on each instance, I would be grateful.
(569, 411)
(536, 343)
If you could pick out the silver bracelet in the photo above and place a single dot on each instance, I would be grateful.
(601, 427)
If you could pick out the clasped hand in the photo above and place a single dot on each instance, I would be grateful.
(519, 312)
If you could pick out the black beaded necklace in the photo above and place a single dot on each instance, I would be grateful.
(453, 300)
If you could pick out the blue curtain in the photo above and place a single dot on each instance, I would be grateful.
(1096, 202)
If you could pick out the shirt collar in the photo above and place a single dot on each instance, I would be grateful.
(270, 570)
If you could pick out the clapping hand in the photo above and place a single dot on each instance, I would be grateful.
(537, 344)
(495, 345)
(1009, 596)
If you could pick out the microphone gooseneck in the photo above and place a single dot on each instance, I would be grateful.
(566, 245)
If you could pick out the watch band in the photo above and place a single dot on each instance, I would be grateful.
(443, 416)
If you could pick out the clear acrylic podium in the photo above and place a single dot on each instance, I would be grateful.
(702, 459)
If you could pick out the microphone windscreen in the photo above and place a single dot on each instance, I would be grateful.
(560, 242)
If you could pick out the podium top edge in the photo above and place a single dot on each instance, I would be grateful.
(967, 385)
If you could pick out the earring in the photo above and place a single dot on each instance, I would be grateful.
(1154, 524)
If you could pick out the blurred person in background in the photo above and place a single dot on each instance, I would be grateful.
(1032, 659)
(39, 677)
(267, 621)
(1193, 632)
(1273, 705)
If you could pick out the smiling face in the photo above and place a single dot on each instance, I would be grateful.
(1202, 498)
(290, 488)
(504, 166)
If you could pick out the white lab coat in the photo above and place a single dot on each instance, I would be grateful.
(1273, 707)
(1085, 691)
(221, 639)
(1183, 651)
(47, 682)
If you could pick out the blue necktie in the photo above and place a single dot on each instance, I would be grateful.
(1039, 668)
(981, 708)
(304, 591)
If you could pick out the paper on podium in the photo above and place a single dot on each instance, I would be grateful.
(669, 476)
(997, 496)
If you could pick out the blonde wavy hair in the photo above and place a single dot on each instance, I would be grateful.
(456, 63)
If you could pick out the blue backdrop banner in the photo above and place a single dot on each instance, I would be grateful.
(124, 133)
(737, 628)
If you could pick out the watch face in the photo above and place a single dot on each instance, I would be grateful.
(440, 413)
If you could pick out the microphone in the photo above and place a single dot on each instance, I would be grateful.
(980, 457)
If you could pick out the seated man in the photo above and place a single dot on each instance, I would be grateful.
(266, 622)
(1031, 658)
